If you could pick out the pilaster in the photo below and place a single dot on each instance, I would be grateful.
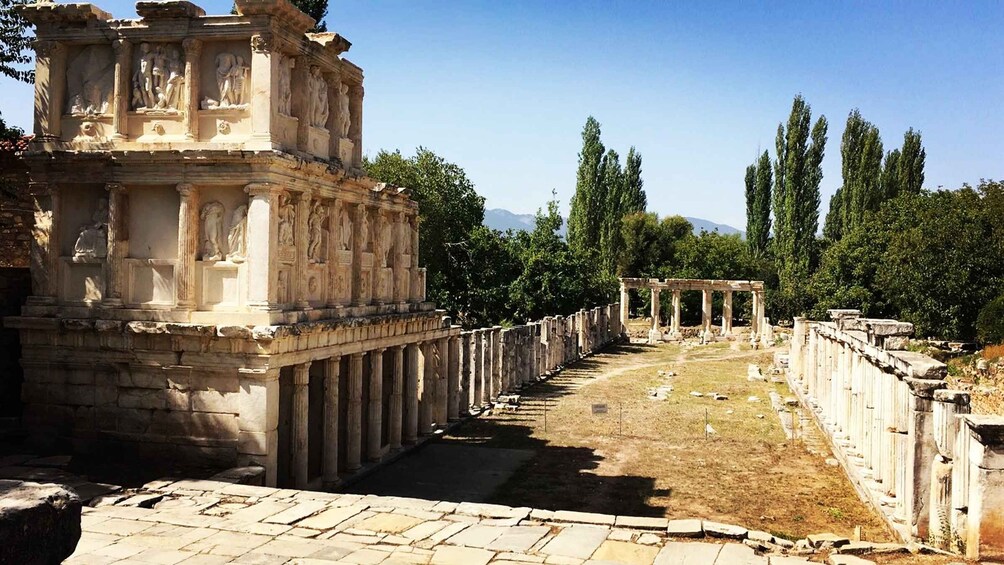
(299, 278)
(356, 125)
(50, 87)
(395, 418)
(45, 243)
(264, 74)
(262, 235)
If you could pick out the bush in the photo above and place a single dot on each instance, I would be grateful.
(990, 323)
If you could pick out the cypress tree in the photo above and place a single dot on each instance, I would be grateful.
(751, 217)
(911, 163)
(584, 217)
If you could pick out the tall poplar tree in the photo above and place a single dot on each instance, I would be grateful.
(584, 217)
(797, 174)
(613, 189)
(634, 194)
(890, 175)
(911, 163)
(861, 167)
(758, 194)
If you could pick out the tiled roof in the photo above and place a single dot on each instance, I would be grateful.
(21, 144)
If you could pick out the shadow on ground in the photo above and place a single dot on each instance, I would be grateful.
(498, 460)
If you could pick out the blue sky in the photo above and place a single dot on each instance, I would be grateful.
(503, 88)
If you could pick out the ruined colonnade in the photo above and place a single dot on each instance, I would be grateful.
(909, 445)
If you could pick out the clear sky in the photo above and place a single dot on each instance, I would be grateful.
(502, 88)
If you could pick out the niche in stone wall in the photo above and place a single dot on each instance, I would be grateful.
(83, 237)
(153, 245)
(222, 247)
(225, 91)
(157, 92)
(90, 80)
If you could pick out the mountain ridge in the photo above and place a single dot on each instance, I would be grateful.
(502, 220)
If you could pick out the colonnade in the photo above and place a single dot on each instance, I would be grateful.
(349, 410)
(908, 443)
(759, 327)
(501, 360)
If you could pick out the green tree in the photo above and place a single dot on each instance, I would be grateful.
(758, 194)
(890, 175)
(449, 209)
(316, 9)
(797, 174)
(651, 243)
(613, 190)
(15, 42)
(833, 226)
(9, 133)
(911, 163)
(488, 262)
(585, 216)
(634, 199)
(861, 168)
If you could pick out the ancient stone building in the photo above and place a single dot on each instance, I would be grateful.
(213, 276)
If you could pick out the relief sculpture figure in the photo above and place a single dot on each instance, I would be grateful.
(212, 223)
(231, 78)
(345, 229)
(287, 216)
(319, 96)
(316, 231)
(343, 111)
(237, 238)
(92, 243)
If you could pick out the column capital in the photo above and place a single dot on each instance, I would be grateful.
(185, 189)
(262, 42)
(47, 47)
(122, 47)
(357, 355)
(301, 374)
(114, 187)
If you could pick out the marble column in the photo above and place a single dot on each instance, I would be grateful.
(675, 329)
(190, 99)
(476, 367)
(375, 413)
(411, 384)
(442, 382)
(356, 123)
(116, 245)
(427, 388)
(760, 317)
(401, 233)
(50, 88)
(122, 87)
(754, 318)
(354, 425)
(358, 297)
(301, 407)
(453, 372)
(706, 295)
(261, 234)
(331, 255)
(264, 73)
(332, 370)
(655, 310)
(395, 418)
(624, 303)
(727, 314)
(298, 276)
(188, 244)
(415, 292)
(466, 374)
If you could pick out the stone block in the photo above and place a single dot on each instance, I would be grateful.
(685, 528)
(258, 404)
(143, 398)
(177, 400)
(257, 443)
(194, 424)
(729, 531)
(38, 523)
(141, 379)
(214, 401)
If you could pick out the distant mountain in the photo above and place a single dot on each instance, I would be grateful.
(502, 220)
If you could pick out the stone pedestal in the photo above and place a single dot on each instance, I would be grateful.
(345, 150)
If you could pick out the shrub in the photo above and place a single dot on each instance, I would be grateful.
(990, 323)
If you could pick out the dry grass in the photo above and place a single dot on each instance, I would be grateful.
(651, 457)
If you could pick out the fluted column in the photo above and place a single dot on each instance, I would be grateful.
(121, 89)
(727, 313)
(624, 302)
(298, 279)
(395, 418)
(676, 313)
(706, 295)
(442, 381)
(465, 374)
(301, 407)
(354, 433)
(411, 384)
(476, 367)
(193, 52)
(374, 415)
(188, 243)
(427, 390)
(754, 318)
(262, 235)
(332, 370)
(116, 237)
(356, 123)
(453, 373)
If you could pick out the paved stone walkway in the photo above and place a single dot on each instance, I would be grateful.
(209, 522)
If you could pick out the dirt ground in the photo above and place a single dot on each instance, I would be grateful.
(652, 457)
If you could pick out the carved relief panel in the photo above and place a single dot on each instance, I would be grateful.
(158, 79)
(90, 79)
(287, 229)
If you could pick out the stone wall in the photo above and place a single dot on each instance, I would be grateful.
(908, 444)
(15, 212)
(15, 286)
